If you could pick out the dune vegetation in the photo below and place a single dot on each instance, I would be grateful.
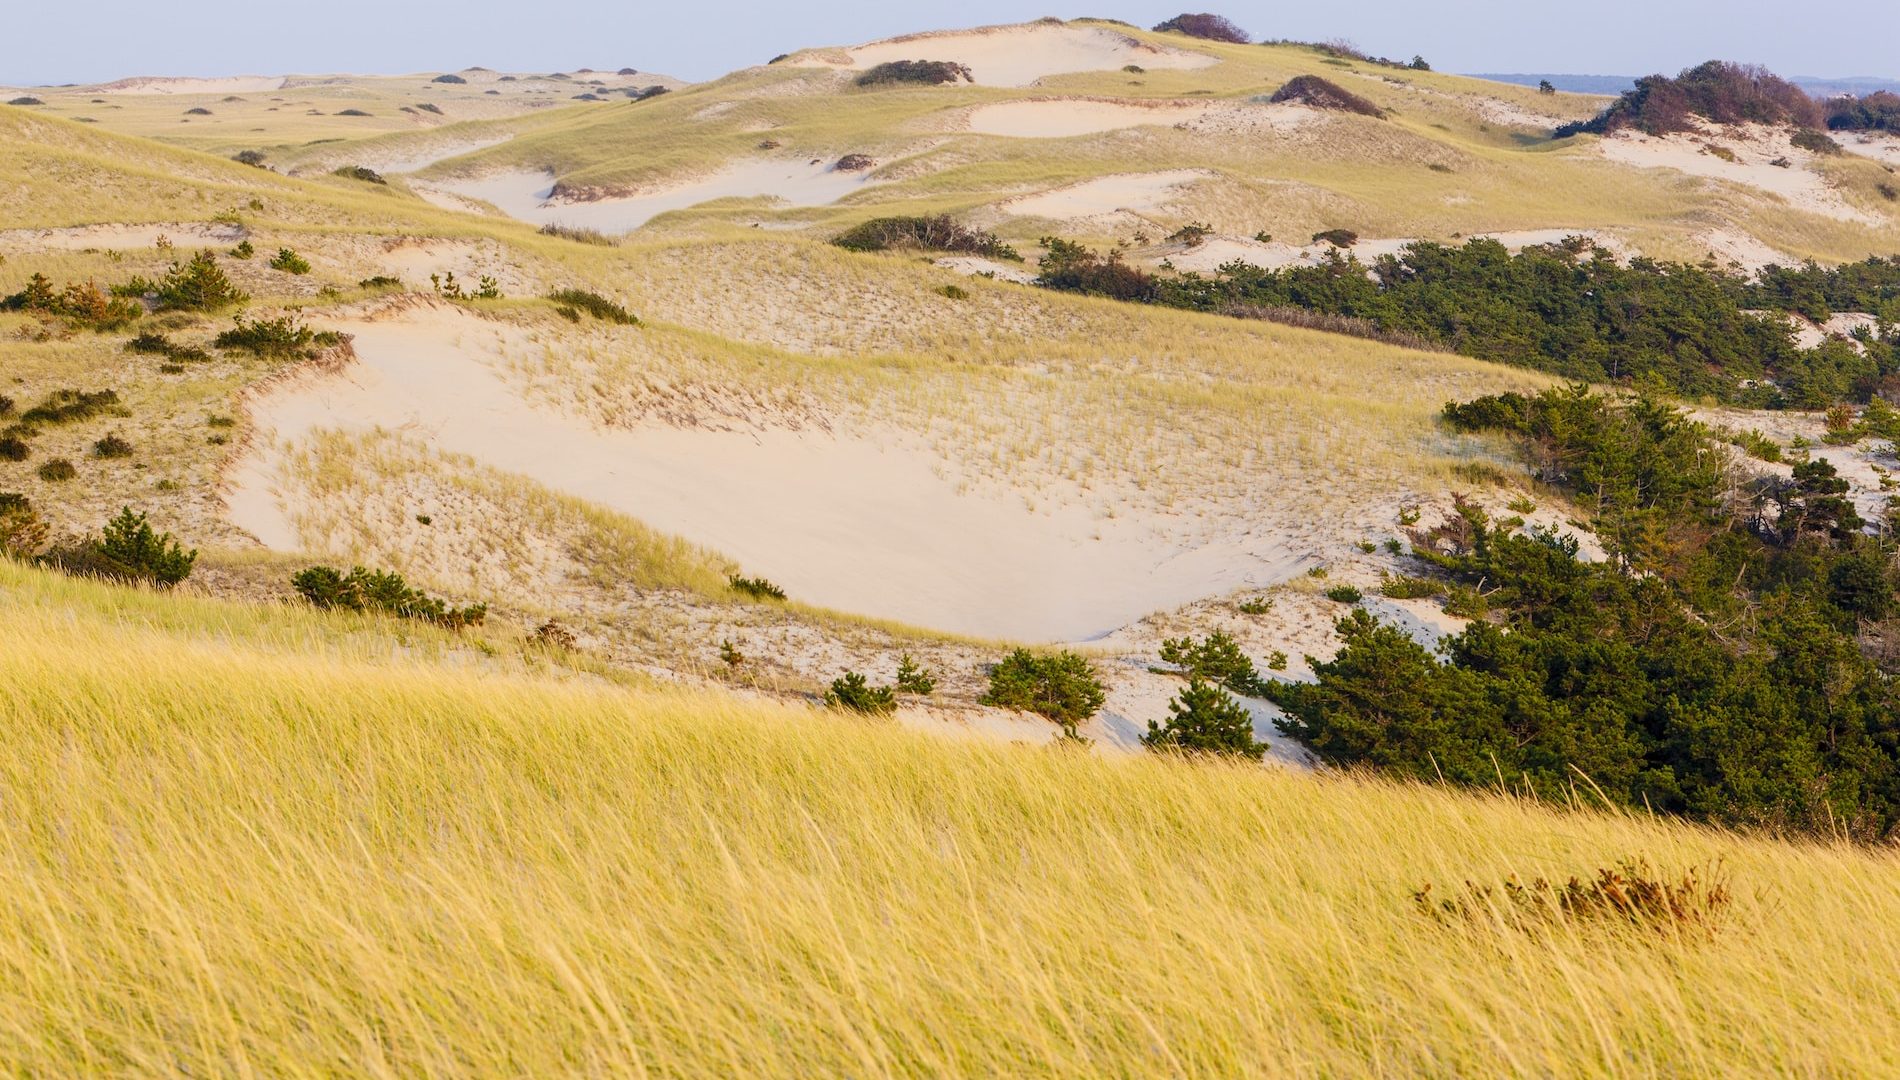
(271, 842)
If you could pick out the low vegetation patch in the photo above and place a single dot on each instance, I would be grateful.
(23, 532)
(1317, 93)
(282, 338)
(916, 72)
(289, 262)
(756, 588)
(594, 304)
(577, 234)
(1216, 658)
(1203, 719)
(381, 592)
(940, 233)
(445, 286)
(852, 693)
(1629, 893)
(81, 303)
(1205, 26)
(1717, 92)
(360, 172)
(127, 550)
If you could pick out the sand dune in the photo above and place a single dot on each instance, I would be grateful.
(1016, 55)
(1132, 192)
(121, 237)
(528, 195)
(862, 521)
(233, 84)
(1753, 148)
(1062, 117)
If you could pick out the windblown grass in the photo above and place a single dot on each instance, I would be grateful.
(223, 856)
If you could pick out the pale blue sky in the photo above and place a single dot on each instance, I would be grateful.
(60, 41)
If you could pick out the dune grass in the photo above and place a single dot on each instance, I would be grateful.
(225, 856)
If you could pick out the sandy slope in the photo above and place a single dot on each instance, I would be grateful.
(1133, 192)
(1063, 117)
(232, 84)
(1754, 148)
(866, 521)
(1015, 55)
(527, 195)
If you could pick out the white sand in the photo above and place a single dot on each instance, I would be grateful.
(526, 195)
(1736, 246)
(1103, 196)
(417, 156)
(861, 522)
(234, 84)
(976, 266)
(121, 237)
(1063, 117)
(1881, 147)
(1015, 55)
(1754, 147)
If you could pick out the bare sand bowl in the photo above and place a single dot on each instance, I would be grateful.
(1016, 55)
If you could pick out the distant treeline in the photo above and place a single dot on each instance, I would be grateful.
(1725, 93)
(1567, 309)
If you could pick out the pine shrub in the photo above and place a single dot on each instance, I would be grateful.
(1203, 719)
(1062, 687)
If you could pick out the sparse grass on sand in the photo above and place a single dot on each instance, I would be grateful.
(257, 842)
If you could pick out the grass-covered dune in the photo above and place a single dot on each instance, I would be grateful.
(241, 841)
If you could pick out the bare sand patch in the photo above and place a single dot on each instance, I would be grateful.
(977, 266)
(1015, 55)
(1742, 155)
(529, 195)
(1107, 195)
(863, 521)
(1735, 246)
(232, 84)
(1881, 147)
(1059, 118)
(121, 237)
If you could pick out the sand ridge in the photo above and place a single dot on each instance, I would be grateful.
(1015, 55)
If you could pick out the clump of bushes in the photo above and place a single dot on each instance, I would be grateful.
(855, 163)
(22, 532)
(852, 693)
(253, 158)
(1344, 594)
(578, 235)
(445, 285)
(381, 592)
(26, 101)
(84, 303)
(197, 285)
(380, 281)
(757, 588)
(1215, 659)
(1205, 26)
(1816, 142)
(596, 305)
(939, 233)
(154, 344)
(1408, 587)
(57, 471)
(360, 172)
(283, 337)
(13, 447)
(1317, 93)
(1630, 892)
(1062, 687)
(128, 549)
(914, 679)
(1717, 91)
(1878, 111)
(1203, 719)
(112, 446)
(68, 406)
(450, 79)
(289, 262)
(920, 72)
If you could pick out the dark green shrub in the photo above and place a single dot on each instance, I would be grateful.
(360, 172)
(112, 446)
(243, 250)
(596, 305)
(25, 101)
(952, 292)
(451, 79)
(22, 532)
(14, 448)
(128, 550)
(381, 592)
(353, 112)
(1344, 238)
(57, 471)
(755, 587)
(916, 72)
(850, 692)
(253, 158)
(71, 406)
(1202, 719)
(198, 285)
(1816, 142)
(380, 281)
(1063, 687)
(1217, 658)
(289, 262)
(448, 288)
(940, 233)
(1406, 587)
(157, 344)
(279, 338)
(912, 679)
(1344, 594)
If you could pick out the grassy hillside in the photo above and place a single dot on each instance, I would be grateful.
(241, 842)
